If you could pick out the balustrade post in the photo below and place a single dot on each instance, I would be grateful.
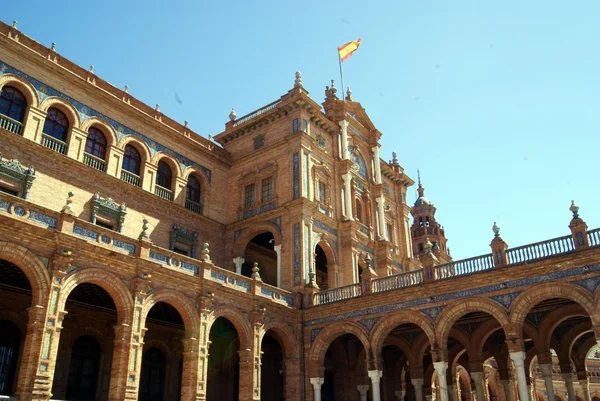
(498, 248)
(578, 228)
(367, 276)
(429, 261)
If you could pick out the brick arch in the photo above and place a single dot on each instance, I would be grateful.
(387, 324)
(87, 331)
(239, 321)
(330, 253)
(285, 335)
(141, 147)
(181, 303)
(170, 160)
(556, 317)
(328, 335)
(461, 307)
(240, 244)
(523, 304)
(155, 343)
(403, 346)
(104, 126)
(64, 106)
(110, 282)
(464, 340)
(482, 333)
(31, 266)
(579, 358)
(23, 85)
(202, 178)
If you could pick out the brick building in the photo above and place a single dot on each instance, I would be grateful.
(139, 260)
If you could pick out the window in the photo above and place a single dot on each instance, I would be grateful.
(193, 190)
(131, 160)
(267, 189)
(295, 125)
(181, 251)
(359, 211)
(249, 196)
(95, 144)
(427, 221)
(13, 103)
(304, 125)
(164, 175)
(104, 223)
(388, 232)
(56, 124)
(321, 191)
(9, 191)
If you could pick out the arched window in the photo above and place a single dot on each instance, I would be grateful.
(95, 143)
(13, 103)
(132, 160)
(56, 124)
(193, 189)
(359, 215)
(164, 175)
(10, 339)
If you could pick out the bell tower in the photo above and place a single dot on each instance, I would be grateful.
(426, 227)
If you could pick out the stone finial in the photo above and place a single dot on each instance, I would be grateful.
(395, 159)
(574, 209)
(496, 230)
(205, 253)
(53, 47)
(67, 208)
(126, 89)
(92, 69)
(157, 108)
(255, 271)
(427, 246)
(14, 24)
(144, 233)
(349, 95)
(368, 261)
(185, 123)
(333, 89)
(232, 115)
(312, 283)
(298, 80)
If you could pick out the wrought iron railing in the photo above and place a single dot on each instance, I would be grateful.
(54, 144)
(256, 113)
(94, 162)
(11, 125)
(131, 178)
(194, 206)
(396, 281)
(540, 250)
(465, 266)
(163, 192)
(337, 294)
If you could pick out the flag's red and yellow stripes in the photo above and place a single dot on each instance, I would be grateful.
(346, 50)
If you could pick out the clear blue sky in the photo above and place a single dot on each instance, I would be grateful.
(497, 103)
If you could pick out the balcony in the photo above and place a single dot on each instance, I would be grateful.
(163, 192)
(54, 144)
(131, 178)
(11, 125)
(194, 206)
(94, 162)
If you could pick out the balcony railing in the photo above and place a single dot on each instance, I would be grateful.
(594, 237)
(163, 192)
(396, 281)
(131, 178)
(94, 162)
(194, 206)
(465, 266)
(256, 113)
(540, 250)
(337, 294)
(11, 125)
(54, 144)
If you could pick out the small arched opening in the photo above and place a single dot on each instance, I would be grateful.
(321, 270)
(261, 250)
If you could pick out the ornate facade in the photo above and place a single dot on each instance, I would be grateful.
(140, 261)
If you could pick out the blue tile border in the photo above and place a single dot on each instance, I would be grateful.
(42, 218)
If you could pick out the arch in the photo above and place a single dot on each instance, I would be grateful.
(181, 303)
(64, 106)
(240, 244)
(330, 253)
(199, 173)
(107, 129)
(383, 328)
(139, 145)
(24, 86)
(482, 333)
(36, 272)
(110, 282)
(170, 160)
(329, 334)
(459, 308)
(523, 304)
(239, 321)
(553, 319)
(89, 331)
(288, 339)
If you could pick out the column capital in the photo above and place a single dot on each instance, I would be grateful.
(440, 367)
(477, 375)
(417, 382)
(362, 389)
(546, 369)
(317, 382)
(375, 375)
(518, 358)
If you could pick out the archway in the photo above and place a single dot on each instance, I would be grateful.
(261, 250)
(223, 375)
(344, 369)
(272, 368)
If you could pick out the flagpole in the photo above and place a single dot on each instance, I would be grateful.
(341, 76)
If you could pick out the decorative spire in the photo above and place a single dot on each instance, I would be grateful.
(298, 80)
(331, 92)
(14, 25)
(428, 245)
(232, 115)
(126, 89)
(496, 230)
(205, 253)
(157, 107)
(395, 159)
(92, 69)
(574, 209)
(53, 47)
(185, 123)
(421, 190)
(349, 95)
(144, 233)
(67, 207)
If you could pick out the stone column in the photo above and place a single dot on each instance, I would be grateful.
(418, 385)
(569, 384)
(518, 358)
(277, 249)
(506, 385)
(381, 215)
(546, 369)
(317, 382)
(238, 262)
(375, 376)
(440, 369)
(478, 379)
(363, 389)
(348, 196)
(375, 150)
(585, 384)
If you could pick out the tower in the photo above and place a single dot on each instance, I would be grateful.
(426, 227)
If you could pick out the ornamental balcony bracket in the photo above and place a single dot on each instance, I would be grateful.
(14, 170)
(108, 207)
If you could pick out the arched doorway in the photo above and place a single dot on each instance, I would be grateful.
(10, 342)
(272, 369)
(152, 379)
(223, 376)
(321, 268)
(261, 249)
(345, 369)
(84, 369)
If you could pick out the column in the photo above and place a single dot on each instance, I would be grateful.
(381, 215)
(317, 382)
(546, 369)
(375, 376)
(363, 389)
(348, 196)
(507, 389)
(518, 358)
(440, 369)
(399, 395)
(418, 385)
(344, 126)
(238, 262)
(190, 379)
(478, 379)
(585, 384)
(375, 150)
(247, 375)
(277, 249)
(569, 383)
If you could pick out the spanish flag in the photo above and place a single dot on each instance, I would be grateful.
(346, 50)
